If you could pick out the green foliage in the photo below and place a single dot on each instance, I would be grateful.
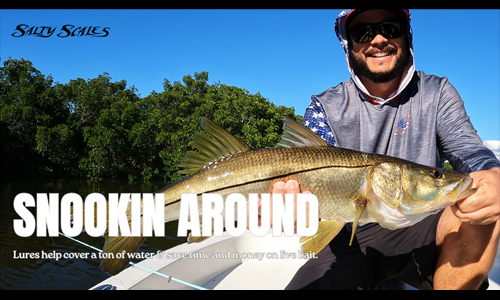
(31, 117)
(102, 129)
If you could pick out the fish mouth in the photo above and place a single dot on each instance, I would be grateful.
(465, 189)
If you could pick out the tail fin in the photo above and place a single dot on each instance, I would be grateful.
(114, 245)
(122, 245)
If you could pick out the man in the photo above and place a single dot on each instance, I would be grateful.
(386, 107)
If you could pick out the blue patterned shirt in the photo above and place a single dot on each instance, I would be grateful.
(315, 119)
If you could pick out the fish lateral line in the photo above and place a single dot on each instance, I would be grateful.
(281, 176)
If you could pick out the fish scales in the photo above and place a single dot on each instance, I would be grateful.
(266, 164)
(334, 175)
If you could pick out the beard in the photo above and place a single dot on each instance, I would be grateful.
(361, 68)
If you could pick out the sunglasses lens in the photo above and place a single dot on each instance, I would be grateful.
(364, 33)
(391, 30)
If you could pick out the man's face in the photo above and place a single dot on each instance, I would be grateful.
(382, 59)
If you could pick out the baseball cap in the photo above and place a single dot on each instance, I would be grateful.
(401, 13)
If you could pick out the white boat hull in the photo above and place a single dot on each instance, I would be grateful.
(271, 271)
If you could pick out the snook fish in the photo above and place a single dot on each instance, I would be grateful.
(351, 186)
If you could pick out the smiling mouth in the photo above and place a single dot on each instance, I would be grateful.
(380, 54)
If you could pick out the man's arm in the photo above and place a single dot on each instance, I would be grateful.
(458, 140)
(461, 145)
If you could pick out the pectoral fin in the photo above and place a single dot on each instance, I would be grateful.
(360, 207)
(327, 230)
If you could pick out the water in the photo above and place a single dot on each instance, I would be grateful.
(42, 273)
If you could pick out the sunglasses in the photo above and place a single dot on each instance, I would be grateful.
(364, 33)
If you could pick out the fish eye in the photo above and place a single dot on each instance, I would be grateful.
(436, 173)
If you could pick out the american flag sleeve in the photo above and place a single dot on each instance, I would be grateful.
(315, 119)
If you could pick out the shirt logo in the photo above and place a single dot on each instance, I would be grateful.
(403, 124)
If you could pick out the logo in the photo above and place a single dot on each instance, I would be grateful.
(66, 31)
(403, 124)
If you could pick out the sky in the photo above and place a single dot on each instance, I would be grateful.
(285, 55)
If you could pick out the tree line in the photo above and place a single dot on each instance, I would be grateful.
(98, 128)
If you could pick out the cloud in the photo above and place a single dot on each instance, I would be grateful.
(493, 146)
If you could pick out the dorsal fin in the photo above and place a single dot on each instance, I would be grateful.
(217, 144)
(297, 135)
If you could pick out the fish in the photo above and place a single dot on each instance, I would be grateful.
(351, 186)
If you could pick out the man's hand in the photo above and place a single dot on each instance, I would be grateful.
(289, 187)
(482, 207)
